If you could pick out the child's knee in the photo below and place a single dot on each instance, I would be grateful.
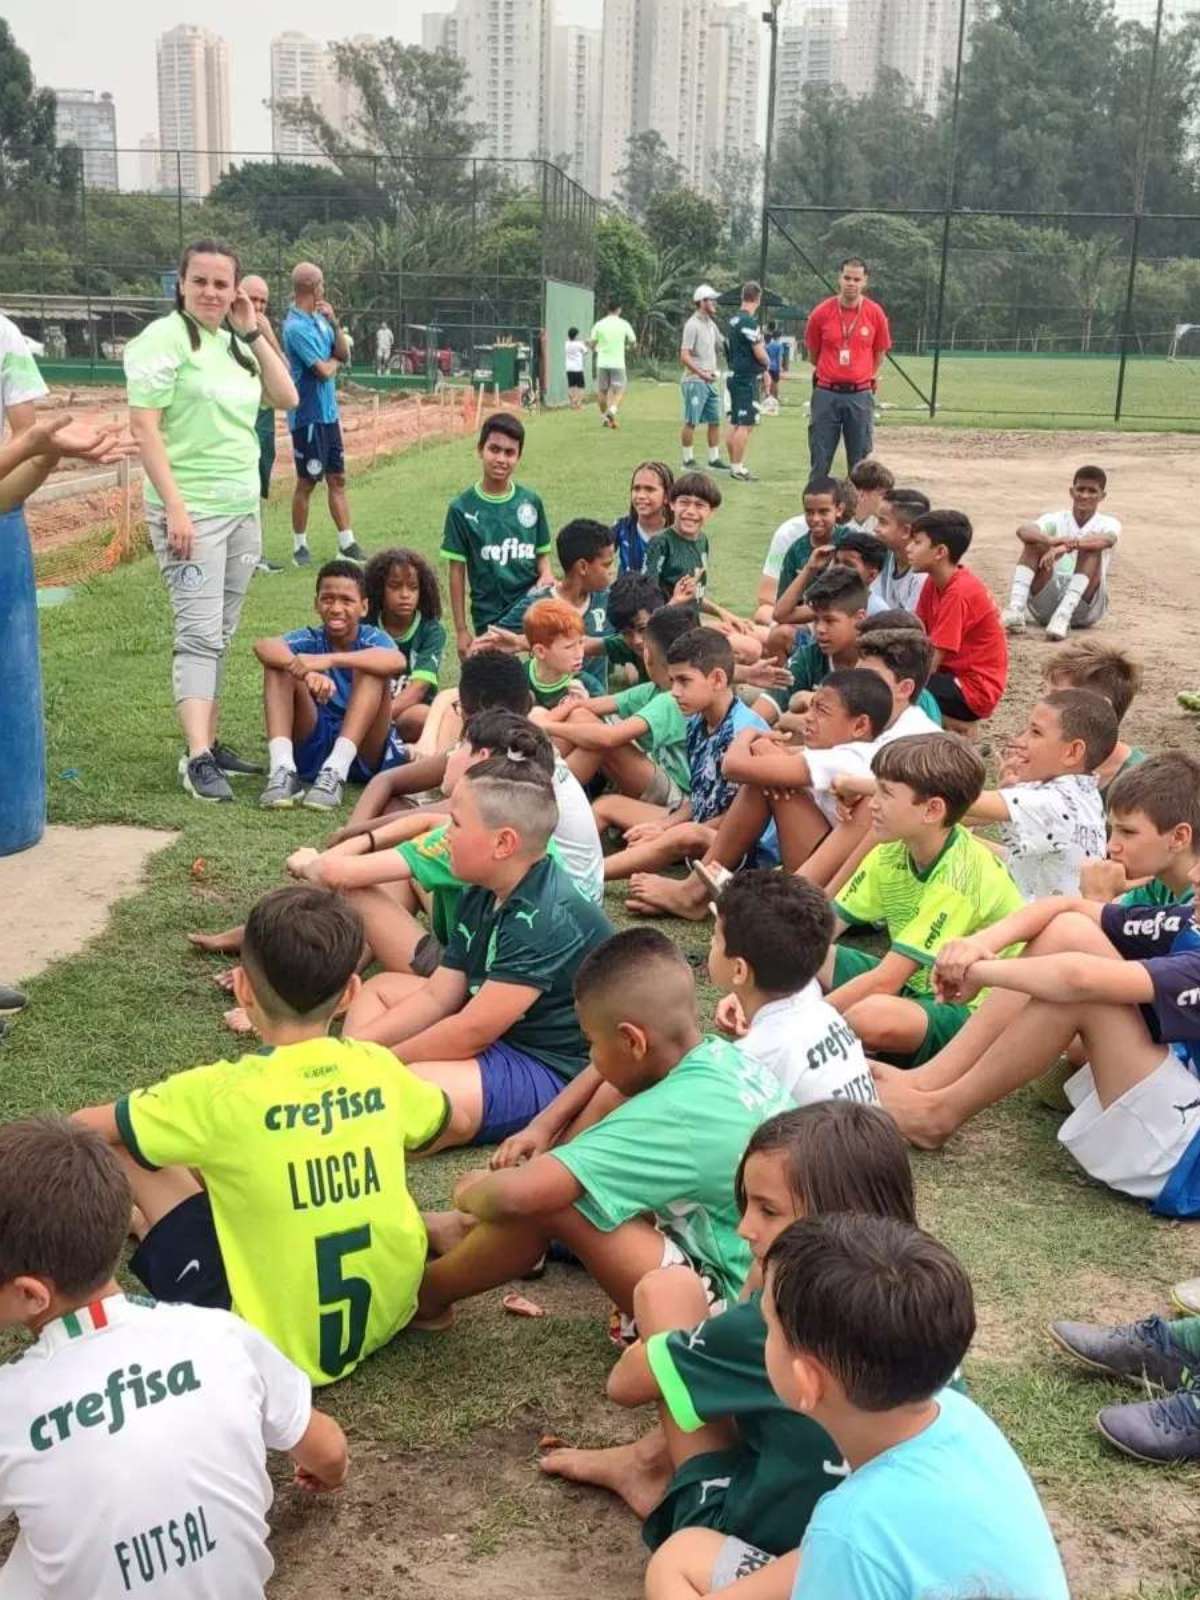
(882, 1023)
(669, 1297)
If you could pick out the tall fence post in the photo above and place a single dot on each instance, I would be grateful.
(951, 202)
(179, 196)
(1139, 202)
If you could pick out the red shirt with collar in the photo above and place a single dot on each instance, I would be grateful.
(863, 329)
(963, 622)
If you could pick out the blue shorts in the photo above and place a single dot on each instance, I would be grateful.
(317, 449)
(180, 1260)
(701, 402)
(314, 752)
(516, 1087)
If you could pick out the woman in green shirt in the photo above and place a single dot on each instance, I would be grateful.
(196, 379)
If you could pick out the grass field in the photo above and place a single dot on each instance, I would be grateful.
(1040, 1241)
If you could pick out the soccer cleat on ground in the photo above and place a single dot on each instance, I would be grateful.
(1014, 619)
(1141, 1352)
(11, 1001)
(263, 565)
(717, 466)
(1157, 1431)
(234, 765)
(1185, 1297)
(1189, 699)
(302, 556)
(325, 791)
(203, 778)
(741, 477)
(282, 791)
(353, 552)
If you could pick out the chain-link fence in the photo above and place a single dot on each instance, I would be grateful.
(449, 258)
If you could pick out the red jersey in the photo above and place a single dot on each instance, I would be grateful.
(963, 622)
(861, 332)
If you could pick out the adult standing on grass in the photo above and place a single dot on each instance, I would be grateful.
(316, 346)
(846, 339)
(609, 339)
(701, 399)
(197, 379)
(259, 295)
(747, 364)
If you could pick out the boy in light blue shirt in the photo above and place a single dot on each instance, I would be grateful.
(936, 1501)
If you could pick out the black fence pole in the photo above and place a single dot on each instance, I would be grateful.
(771, 18)
(951, 202)
(1139, 202)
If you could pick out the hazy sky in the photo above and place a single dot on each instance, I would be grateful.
(77, 45)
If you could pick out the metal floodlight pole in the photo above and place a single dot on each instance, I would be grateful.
(951, 202)
(1139, 201)
(771, 18)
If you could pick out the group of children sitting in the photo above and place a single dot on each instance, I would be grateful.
(743, 1197)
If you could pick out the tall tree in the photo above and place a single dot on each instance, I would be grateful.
(27, 136)
(649, 170)
(737, 179)
(682, 221)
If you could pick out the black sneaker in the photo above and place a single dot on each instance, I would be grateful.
(717, 466)
(11, 1000)
(263, 565)
(1142, 1352)
(302, 556)
(1157, 1431)
(427, 957)
(741, 477)
(203, 778)
(353, 552)
(234, 765)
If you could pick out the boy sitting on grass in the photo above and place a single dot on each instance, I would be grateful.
(328, 700)
(928, 881)
(1048, 802)
(822, 510)
(632, 601)
(554, 633)
(866, 555)
(1153, 835)
(1125, 979)
(956, 609)
(1108, 670)
(677, 558)
(807, 555)
(494, 1026)
(301, 1148)
(898, 585)
(638, 738)
(585, 553)
(700, 665)
(496, 538)
(649, 1184)
(836, 604)
(936, 1501)
(871, 481)
(133, 1437)
(1061, 579)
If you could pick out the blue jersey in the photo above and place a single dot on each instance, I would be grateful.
(309, 337)
(316, 642)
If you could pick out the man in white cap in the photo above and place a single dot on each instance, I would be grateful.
(701, 397)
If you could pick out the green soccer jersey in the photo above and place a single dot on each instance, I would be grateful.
(548, 695)
(673, 1150)
(594, 671)
(796, 556)
(621, 658)
(302, 1149)
(422, 645)
(967, 888)
(428, 859)
(1157, 893)
(536, 938)
(783, 1462)
(665, 738)
(1134, 759)
(669, 557)
(499, 538)
(744, 334)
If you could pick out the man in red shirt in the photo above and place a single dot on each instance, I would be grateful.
(970, 651)
(846, 337)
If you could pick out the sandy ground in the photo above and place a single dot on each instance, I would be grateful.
(65, 886)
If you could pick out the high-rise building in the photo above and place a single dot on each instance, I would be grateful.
(300, 70)
(89, 121)
(811, 49)
(731, 101)
(617, 51)
(149, 163)
(193, 108)
(505, 45)
(573, 98)
(916, 38)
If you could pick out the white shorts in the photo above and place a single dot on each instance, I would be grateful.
(736, 1560)
(662, 790)
(1133, 1144)
(623, 1329)
(1045, 602)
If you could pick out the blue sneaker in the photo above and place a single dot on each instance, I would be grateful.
(1140, 1352)
(1160, 1432)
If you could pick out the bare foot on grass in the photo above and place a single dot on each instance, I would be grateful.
(637, 1473)
(446, 1229)
(237, 1021)
(226, 943)
(651, 894)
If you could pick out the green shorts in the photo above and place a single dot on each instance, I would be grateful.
(942, 1021)
(695, 1496)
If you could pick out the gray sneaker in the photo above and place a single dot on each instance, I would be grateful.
(1142, 1352)
(325, 791)
(203, 778)
(282, 791)
(12, 1000)
(1158, 1431)
(302, 556)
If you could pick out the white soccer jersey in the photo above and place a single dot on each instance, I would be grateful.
(911, 720)
(19, 376)
(1052, 828)
(133, 1444)
(811, 1049)
(1062, 525)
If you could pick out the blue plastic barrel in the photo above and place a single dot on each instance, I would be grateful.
(22, 732)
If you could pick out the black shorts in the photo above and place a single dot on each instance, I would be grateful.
(743, 410)
(180, 1260)
(575, 380)
(317, 450)
(943, 686)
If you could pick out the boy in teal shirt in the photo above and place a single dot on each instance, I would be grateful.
(633, 1166)
(496, 537)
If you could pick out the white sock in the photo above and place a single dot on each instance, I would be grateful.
(299, 541)
(281, 754)
(341, 756)
(1021, 584)
(714, 452)
(689, 456)
(740, 471)
(1074, 592)
(345, 538)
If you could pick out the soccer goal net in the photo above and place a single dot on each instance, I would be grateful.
(1185, 342)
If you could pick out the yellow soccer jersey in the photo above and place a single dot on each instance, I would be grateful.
(302, 1149)
(967, 888)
